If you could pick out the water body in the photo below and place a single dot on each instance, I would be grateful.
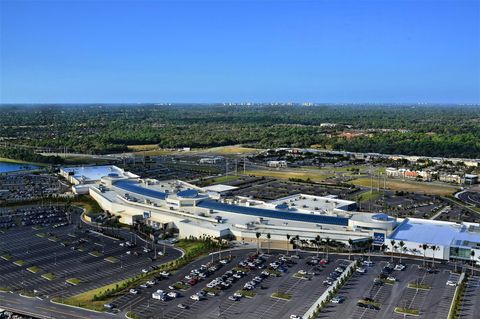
(6, 167)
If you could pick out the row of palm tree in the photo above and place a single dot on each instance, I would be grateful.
(315, 242)
(318, 241)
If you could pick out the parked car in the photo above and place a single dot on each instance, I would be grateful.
(338, 299)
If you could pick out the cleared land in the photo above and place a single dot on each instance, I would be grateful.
(408, 186)
(313, 175)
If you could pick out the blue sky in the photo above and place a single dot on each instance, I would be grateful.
(220, 51)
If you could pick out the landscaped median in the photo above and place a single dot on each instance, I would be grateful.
(281, 295)
(331, 291)
(407, 311)
(49, 276)
(301, 275)
(41, 235)
(247, 293)
(7, 257)
(20, 263)
(95, 253)
(414, 285)
(73, 281)
(456, 304)
(111, 259)
(33, 269)
(5, 289)
(96, 298)
(53, 238)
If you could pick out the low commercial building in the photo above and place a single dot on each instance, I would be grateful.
(450, 178)
(92, 174)
(277, 163)
(442, 240)
(470, 179)
(211, 160)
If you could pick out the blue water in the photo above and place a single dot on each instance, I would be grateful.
(12, 167)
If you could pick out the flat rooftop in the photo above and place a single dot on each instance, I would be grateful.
(135, 187)
(95, 173)
(435, 232)
(273, 213)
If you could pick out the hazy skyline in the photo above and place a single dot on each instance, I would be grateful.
(216, 51)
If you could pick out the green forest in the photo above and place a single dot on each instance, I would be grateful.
(436, 130)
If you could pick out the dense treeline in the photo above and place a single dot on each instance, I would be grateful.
(29, 156)
(449, 131)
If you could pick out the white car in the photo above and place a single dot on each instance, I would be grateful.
(368, 263)
(361, 270)
(195, 297)
(159, 295)
(165, 274)
(172, 294)
(144, 270)
(338, 299)
(302, 272)
(134, 291)
(295, 317)
(391, 278)
(160, 253)
(399, 267)
(451, 283)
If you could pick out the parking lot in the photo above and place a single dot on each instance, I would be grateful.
(25, 186)
(44, 258)
(471, 300)
(413, 288)
(257, 302)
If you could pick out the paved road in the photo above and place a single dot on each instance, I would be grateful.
(46, 309)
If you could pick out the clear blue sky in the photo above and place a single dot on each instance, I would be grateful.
(264, 50)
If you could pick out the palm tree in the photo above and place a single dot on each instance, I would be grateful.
(424, 247)
(318, 241)
(370, 243)
(258, 241)
(402, 244)
(327, 243)
(433, 248)
(268, 238)
(457, 250)
(288, 242)
(297, 239)
(393, 245)
(472, 256)
(350, 244)
(383, 248)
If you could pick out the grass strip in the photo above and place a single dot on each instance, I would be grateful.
(33, 269)
(282, 295)
(20, 262)
(407, 311)
(49, 276)
(111, 259)
(73, 281)
(414, 285)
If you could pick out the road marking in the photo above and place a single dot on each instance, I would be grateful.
(62, 312)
